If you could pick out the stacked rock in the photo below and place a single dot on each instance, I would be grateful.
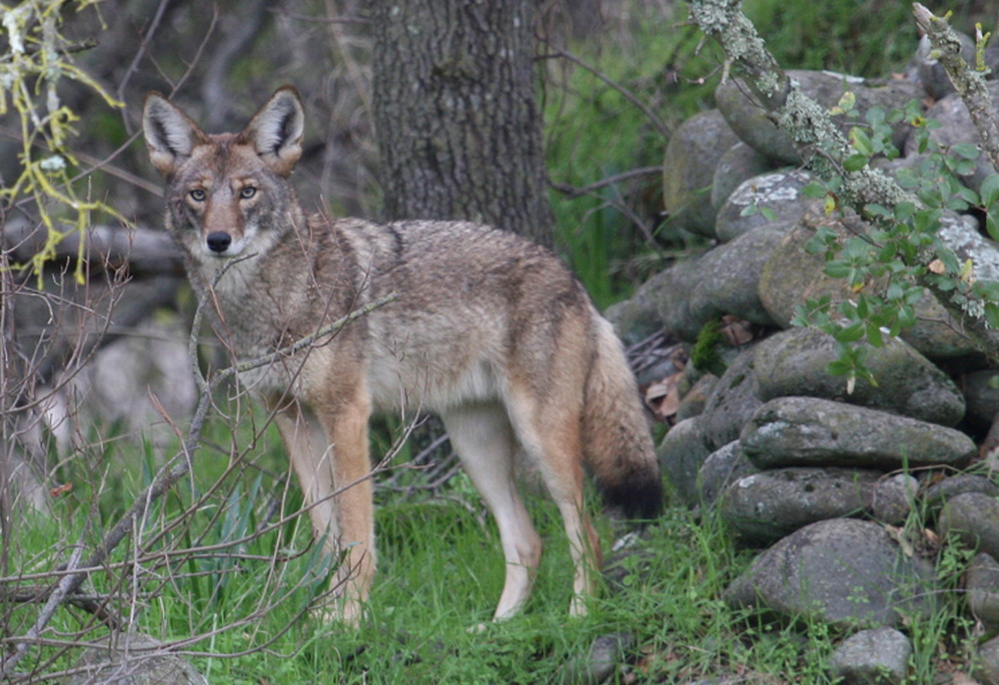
(821, 471)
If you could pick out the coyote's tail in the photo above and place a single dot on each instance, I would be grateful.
(617, 443)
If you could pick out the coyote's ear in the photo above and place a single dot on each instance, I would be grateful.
(170, 134)
(276, 131)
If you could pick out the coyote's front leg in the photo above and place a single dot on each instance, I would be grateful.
(327, 446)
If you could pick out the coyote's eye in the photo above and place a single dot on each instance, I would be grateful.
(247, 192)
(198, 195)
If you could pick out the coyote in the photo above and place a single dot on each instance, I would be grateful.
(489, 330)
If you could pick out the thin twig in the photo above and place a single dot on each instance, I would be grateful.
(64, 587)
(660, 125)
(176, 469)
(573, 191)
(310, 340)
(141, 52)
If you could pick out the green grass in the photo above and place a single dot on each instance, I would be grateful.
(440, 573)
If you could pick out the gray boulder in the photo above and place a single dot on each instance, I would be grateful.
(939, 492)
(807, 431)
(981, 392)
(606, 654)
(660, 302)
(894, 498)
(796, 362)
(690, 293)
(973, 519)
(981, 582)
(734, 400)
(750, 121)
(986, 670)
(638, 317)
(681, 454)
(694, 400)
(766, 506)
(723, 467)
(779, 192)
(846, 572)
(134, 659)
(961, 235)
(739, 163)
(729, 276)
(689, 167)
(872, 657)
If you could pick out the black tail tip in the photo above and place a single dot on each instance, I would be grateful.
(636, 501)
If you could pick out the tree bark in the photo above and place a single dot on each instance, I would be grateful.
(456, 113)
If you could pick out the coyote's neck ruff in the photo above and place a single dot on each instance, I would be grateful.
(488, 330)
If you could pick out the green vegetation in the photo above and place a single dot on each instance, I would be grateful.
(887, 267)
(226, 556)
(838, 34)
(440, 574)
(614, 235)
(705, 355)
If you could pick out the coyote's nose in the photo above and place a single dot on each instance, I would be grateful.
(218, 241)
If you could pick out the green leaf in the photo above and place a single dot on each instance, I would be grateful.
(966, 150)
(907, 178)
(989, 190)
(963, 167)
(967, 194)
(815, 245)
(874, 335)
(837, 268)
(992, 314)
(992, 224)
(907, 316)
(855, 162)
(861, 142)
(887, 253)
(840, 368)
(875, 116)
(863, 307)
(851, 333)
(904, 211)
(987, 289)
(949, 260)
(814, 190)
(847, 102)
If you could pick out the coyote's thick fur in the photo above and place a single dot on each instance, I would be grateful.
(489, 330)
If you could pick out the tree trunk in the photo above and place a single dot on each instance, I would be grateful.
(456, 113)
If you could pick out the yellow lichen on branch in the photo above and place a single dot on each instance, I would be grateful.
(29, 78)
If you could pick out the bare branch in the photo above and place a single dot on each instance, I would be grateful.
(77, 571)
(573, 191)
(625, 93)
